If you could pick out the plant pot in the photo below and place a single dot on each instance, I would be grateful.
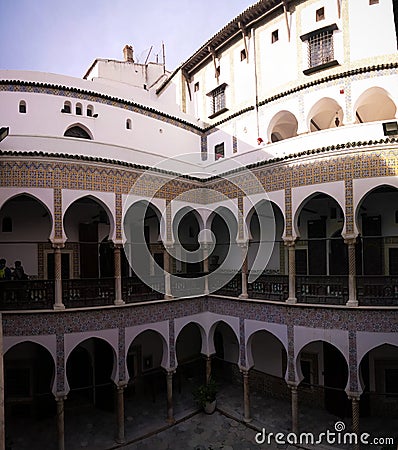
(210, 407)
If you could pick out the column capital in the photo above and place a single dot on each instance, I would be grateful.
(57, 244)
(289, 241)
(353, 396)
(60, 396)
(243, 243)
(350, 238)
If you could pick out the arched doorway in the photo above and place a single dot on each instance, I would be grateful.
(324, 371)
(28, 400)
(224, 363)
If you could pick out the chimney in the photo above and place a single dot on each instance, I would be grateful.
(128, 53)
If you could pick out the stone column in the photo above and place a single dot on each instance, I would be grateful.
(58, 305)
(244, 247)
(290, 244)
(246, 396)
(208, 369)
(118, 275)
(294, 399)
(355, 417)
(352, 287)
(170, 409)
(60, 421)
(120, 437)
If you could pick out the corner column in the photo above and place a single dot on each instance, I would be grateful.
(170, 408)
(244, 246)
(246, 396)
(355, 417)
(352, 287)
(290, 244)
(58, 305)
(60, 421)
(120, 436)
(118, 275)
(294, 403)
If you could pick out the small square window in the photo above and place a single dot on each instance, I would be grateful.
(243, 55)
(275, 36)
(196, 87)
(373, 2)
(320, 14)
(219, 151)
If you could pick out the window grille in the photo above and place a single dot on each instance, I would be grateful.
(320, 49)
(218, 99)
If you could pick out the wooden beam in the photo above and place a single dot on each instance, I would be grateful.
(244, 36)
(339, 8)
(213, 55)
(285, 11)
(315, 125)
(186, 77)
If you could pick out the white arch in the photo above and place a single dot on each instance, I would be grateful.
(374, 97)
(283, 119)
(72, 340)
(231, 322)
(104, 199)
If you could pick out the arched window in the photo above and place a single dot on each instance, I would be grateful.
(22, 107)
(79, 109)
(77, 132)
(67, 108)
(89, 111)
(128, 124)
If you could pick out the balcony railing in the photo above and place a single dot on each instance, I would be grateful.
(377, 290)
(80, 293)
(326, 289)
(134, 290)
(314, 289)
(271, 287)
(26, 294)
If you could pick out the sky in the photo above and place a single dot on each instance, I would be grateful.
(66, 36)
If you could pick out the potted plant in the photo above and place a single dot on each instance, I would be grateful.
(205, 396)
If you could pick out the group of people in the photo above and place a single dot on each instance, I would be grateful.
(14, 273)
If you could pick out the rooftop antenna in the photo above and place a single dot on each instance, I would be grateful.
(148, 55)
(164, 58)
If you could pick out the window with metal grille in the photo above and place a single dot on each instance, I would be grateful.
(320, 49)
(218, 99)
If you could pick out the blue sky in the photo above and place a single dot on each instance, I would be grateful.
(66, 36)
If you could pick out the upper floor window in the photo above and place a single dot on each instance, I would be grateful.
(77, 132)
(218, 104)
(79, 109)
(196, 87)
(320, 14)
(219, 151)
(320, 49)
(89, 111)
(274, 36)
(67, 108)
(373, 2)
(128, 124)
(243, 55)
(22, 107)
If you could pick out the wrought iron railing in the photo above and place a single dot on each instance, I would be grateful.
(269, 287)
(134, 290)
(26, 294)
(376, 290)
(232, 286)
(80, 293)
(322, 289)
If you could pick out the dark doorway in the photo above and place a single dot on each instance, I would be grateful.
(338, 257)
(372, 246)
(393, 261)
(317, 247)
(88, 239)
(335, 379)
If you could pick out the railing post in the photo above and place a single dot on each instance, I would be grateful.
(290, 244)
(58, 304)
(352, 288)
(118, 275)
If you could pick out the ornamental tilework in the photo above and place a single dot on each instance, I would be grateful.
(172, 349)
(118, 207)
(58, 213)
(121, 349)
(349, 207)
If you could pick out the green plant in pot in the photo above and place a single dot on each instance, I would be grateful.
(205, 396)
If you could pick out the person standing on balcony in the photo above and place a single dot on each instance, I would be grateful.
(18, 272)
(5, 272)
